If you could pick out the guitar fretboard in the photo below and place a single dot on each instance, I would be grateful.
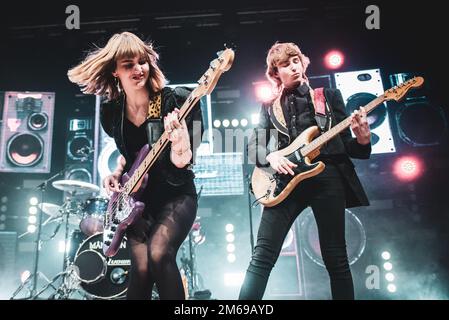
(328, 135)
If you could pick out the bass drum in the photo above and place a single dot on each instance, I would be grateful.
(354, 234)
(102, 277)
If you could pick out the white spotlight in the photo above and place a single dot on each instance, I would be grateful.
(386, 255)
(225, 123)
(388, 266)
(255, 118)
(32, 219)
(34, 201)
(32, 210)
(231, 257)
(235, 123)
(230, 247)
(217, 123)
(31, 228)
(230, 237)
(389, 276)
(243, 122)
(61, 246)
(233, 279)
(229, 227)
(391, 287)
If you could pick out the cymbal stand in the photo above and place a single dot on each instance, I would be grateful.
(36, 274)
(67, 274)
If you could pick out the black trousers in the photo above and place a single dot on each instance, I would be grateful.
(325, 194)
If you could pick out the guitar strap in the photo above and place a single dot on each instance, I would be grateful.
(154, 127)
(322, 110)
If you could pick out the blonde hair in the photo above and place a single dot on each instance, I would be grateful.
(279, 53)
(94, 74)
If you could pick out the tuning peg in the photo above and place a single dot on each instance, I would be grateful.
(232, 46)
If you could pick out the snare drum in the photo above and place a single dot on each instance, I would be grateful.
(94, 210)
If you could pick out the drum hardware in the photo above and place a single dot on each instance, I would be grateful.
(36, 273)
(69, 209)
(188, 264)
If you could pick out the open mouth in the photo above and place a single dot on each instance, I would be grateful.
(138, 77)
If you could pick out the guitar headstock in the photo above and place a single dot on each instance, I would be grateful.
(398, 92)
(217, 66)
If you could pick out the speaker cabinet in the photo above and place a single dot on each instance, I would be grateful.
(26, 139)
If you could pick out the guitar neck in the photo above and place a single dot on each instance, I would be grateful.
(328, 135)
(158, 147)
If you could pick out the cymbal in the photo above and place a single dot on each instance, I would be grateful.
(50, 209)
(75, 186)
(73, 219)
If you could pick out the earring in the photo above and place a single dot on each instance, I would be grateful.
(117, 84)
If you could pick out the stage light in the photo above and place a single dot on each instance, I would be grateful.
(389, 276)
(31, 228)
(230, 247)
(34, 201)
(2, 217)
(407, 168)
(217, 123)
(334, 59)
(63, 245)
(244, 122)
(264, 91)
(255, 118)
(388, 266)
(386, 255)
(235, 123)
(3, 208)
(32, 219)
(391, 287)
(231, 258)
(229, 227)
(32, 210)
(225, 123)
(4, 199)
(230, 237)
(233, 279)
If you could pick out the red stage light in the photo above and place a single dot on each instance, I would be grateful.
(334, 59)
(408, 168)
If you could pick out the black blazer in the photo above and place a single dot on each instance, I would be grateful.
(341, 147)
(112, 114)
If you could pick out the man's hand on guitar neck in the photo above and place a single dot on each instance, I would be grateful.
(360, 127)
(281, 164)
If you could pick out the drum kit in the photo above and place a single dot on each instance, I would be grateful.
(86, 270)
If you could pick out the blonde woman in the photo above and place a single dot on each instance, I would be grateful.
(137, 108)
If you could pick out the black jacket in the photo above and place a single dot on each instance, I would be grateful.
(112, 114)
(341, 147)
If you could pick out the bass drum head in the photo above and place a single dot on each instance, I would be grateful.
(354, 234)
(102, 277)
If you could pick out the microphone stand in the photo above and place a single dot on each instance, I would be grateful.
(250, 206)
